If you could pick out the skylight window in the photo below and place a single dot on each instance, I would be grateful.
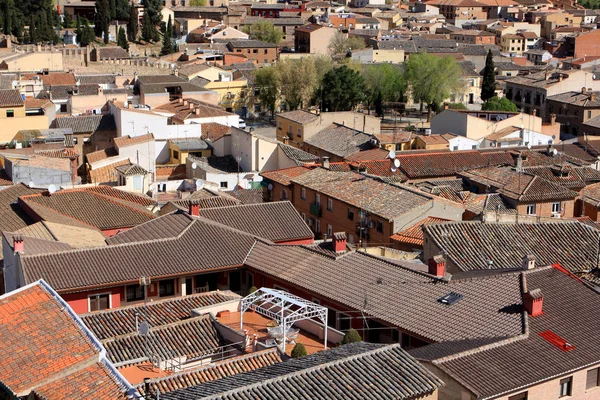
(450, 299)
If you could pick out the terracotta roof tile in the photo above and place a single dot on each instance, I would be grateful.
(216, 371)
(10, 98)
(191, 338)
(361, 370)
(285, 175)
(125, 141)
(121, 321)
(107, 173)
(101, 155)
(277, 221)
(470, 245)
(414, 234)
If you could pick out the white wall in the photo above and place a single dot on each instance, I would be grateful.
(143, 154)
(463, 143)
(255, 153)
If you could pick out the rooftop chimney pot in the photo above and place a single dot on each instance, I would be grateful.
(194, 208)
(325, 162)
(339, 242)
(528, 261)
(18, 244)
(437, 266)
(533, 302)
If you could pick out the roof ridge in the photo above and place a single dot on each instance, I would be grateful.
(220, 363)
(303, 371)
(114, 200)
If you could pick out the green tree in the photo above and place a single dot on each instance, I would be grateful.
(264, 31)
(122, 39)
(343, 89)
(153, 7)
(299, 351)
(168, 47)
(384, 80)
(112, 8)
(340, 43)
(33, 35)
(132, 26)
(432, 79)
(457, 106)
(488, 86)
(267, 83)
(198, 3)
(499, 104)
(351, 336)
(85, 33)
(297, 81)
(148, 29)
(101, 17)
(122, 10)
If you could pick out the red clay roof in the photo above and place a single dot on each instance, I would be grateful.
(285, 175)
(414, 234)
(40, 340)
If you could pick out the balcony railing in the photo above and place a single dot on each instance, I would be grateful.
(315, 209)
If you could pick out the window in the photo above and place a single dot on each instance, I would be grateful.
(398, 146)
(317, 199)
(474, 146)
(329, 204)
(255, 51)
(299, 133)
(303, 193)
(454, 148)
(63, 108)
(137, 182)
(351, 214)
(520, 396)
(304, 216)
(592, 379)
(175, 154)
(379, 226)
(329, 230)
(135, 292)
(10, 113)
(166, 288)
(266, 49)
(589, 114)
(99, 302)
(565, 387)
(224, 185)
(317, 226)
(284, 194)
(530, 209)
(556, 208)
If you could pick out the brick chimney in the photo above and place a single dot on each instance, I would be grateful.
(528, 261)
(533, 301)
(194, 208)
(339, 242)
(437, 266)
(325, 162)
(18, 244)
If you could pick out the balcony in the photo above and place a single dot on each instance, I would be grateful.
(315, 209)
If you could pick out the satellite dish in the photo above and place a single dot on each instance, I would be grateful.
(396, 163)
(31, 184)
(144, 328)
(554, 152)
(52, 189)
(392, 154)
(199, 184)
(529, 146)
(270, 187)
(194, 165)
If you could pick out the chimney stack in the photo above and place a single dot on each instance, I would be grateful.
(437, 266)
(194, 208)
(191, 105)
(180, 100)
(583, 90)
(533, 301)
(592, 96)
(552, 119)
(325, 162)
(147, 387)
(197, 111)
(339, 242)
(185, 103)
(18, 244)
(528, 261)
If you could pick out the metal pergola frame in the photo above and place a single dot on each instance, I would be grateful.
(288, 309)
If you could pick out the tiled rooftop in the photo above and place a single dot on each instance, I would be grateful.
(470, 245)
(341, 373)
(340, 140)
(372, 195)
